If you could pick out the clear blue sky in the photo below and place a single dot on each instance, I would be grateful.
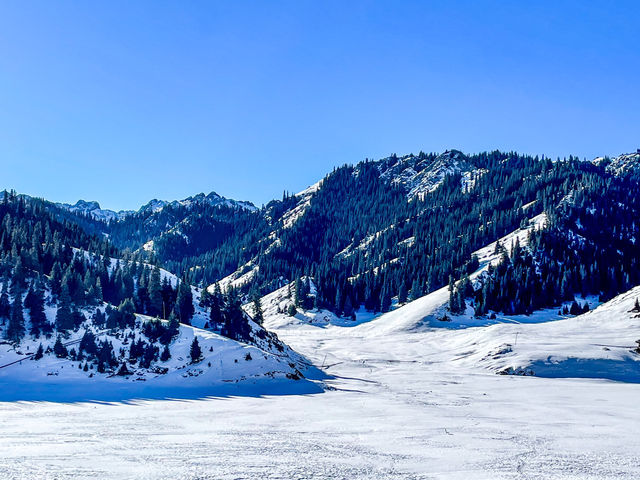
(121, 101)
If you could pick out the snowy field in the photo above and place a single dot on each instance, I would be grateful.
(401, 403)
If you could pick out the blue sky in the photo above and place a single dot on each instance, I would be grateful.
(122, 102)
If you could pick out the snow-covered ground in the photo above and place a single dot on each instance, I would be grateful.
(401, 403)
(398, 397)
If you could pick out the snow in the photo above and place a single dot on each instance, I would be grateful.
(224, 361)
(237, 278)
(420, 177)
(622, 164)
(92, 208)
(398, 399)
(290, 218)
(404, 404)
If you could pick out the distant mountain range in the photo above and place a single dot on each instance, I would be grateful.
(92, 208)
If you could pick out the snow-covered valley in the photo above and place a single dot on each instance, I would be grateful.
(399, 402)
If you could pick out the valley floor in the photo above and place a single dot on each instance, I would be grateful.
(398, 406)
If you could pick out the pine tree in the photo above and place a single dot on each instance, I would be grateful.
(59, 349)
(258, 315)
(385, 303)
(166, 354)
(215, 314)
(195, 352)
(5, 304)
(402, 293)
(15, 330)
(88, 343)
(184, 303)
(39, 353)
(35, 304)
(64, 317)
(155, 294)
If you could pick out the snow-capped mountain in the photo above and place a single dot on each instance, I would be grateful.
(93, 209)
(422, 174)
(211, 199)
(627, 163)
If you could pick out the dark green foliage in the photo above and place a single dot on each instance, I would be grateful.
(105, 356)
(136, 350)
(292, 310)
(123, 371)
(88, 343)
(34, 302)
(15, 329)
(150, 355)
(215, 314)
(39, 353)
(5, 304)
(99, 319)
(184, 303)
(166, 354)
(156, 306)
(258, 316)
(59, 349)
(236, 324)
(64, 318)
(122, 317)
(402, 293)
(195, 352)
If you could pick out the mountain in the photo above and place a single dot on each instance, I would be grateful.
(461, 239)
(92, 208)
(422, 174)
(622, 165)
(364, 236)
(73, 307)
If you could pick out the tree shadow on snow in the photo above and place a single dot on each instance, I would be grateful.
(627, 370)
(107, 392)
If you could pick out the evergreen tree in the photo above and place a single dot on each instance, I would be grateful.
(64, 318)
(15, 329)
(155, 294)
(258, 315)
(184, 303)
(35, 303)
(386, 301)
(402, 293)
(215, 314)
(235, 321)
(88, 343)
(59, 349)
(5, 304)
(166, 354)
(195, 352)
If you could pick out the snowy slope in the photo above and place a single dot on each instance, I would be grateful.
(224, 361)
(419, 177)
(622, 164)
